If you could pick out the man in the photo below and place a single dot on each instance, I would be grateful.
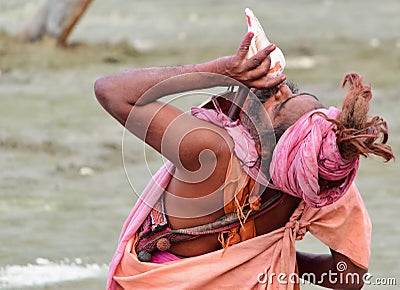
(214, 218)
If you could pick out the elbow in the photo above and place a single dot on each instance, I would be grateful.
(355, 276)
(353, 279)
(361, 275)
(102, 92)
(109, 97)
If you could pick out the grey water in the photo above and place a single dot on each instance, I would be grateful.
(64, 194)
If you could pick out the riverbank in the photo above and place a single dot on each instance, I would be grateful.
(63, 190)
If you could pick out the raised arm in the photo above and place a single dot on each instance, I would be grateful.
(118, 93)
(164, 127)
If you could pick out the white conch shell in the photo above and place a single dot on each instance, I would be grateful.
(261, 41)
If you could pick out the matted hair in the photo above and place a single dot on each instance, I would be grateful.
(358, 134)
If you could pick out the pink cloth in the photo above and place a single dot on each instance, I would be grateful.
(244, 149)
(140, 211)
(159, 257)
(306, 152)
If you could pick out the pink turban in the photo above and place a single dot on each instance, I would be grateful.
(308, 151)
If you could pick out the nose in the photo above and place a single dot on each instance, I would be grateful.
(283, 93)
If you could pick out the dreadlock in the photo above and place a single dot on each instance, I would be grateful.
(357, 134)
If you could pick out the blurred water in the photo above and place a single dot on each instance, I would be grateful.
(63, 192)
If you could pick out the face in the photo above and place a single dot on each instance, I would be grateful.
(287, 107)
(284, 106)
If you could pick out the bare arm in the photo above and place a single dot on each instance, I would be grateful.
(128, 88)
(164, 127)
(334, 271)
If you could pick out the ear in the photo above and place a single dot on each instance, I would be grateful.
(266, 156)
(258, 147)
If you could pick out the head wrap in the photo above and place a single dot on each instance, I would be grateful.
(306, 152)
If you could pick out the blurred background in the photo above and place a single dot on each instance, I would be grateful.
(63, 191)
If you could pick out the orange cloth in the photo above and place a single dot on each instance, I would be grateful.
(237, 189)
(344, 226)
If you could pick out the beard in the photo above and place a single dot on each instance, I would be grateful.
(259, 125)
(256, 121)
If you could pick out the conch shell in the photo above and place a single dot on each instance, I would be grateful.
(260, 41)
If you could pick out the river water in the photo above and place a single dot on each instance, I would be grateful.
(63, 191)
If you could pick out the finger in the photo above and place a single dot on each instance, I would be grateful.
(268, 82)
(262, 57)
(245, 45)
(267, 50)
(271, 82)
(258, 71)
(257, 68)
